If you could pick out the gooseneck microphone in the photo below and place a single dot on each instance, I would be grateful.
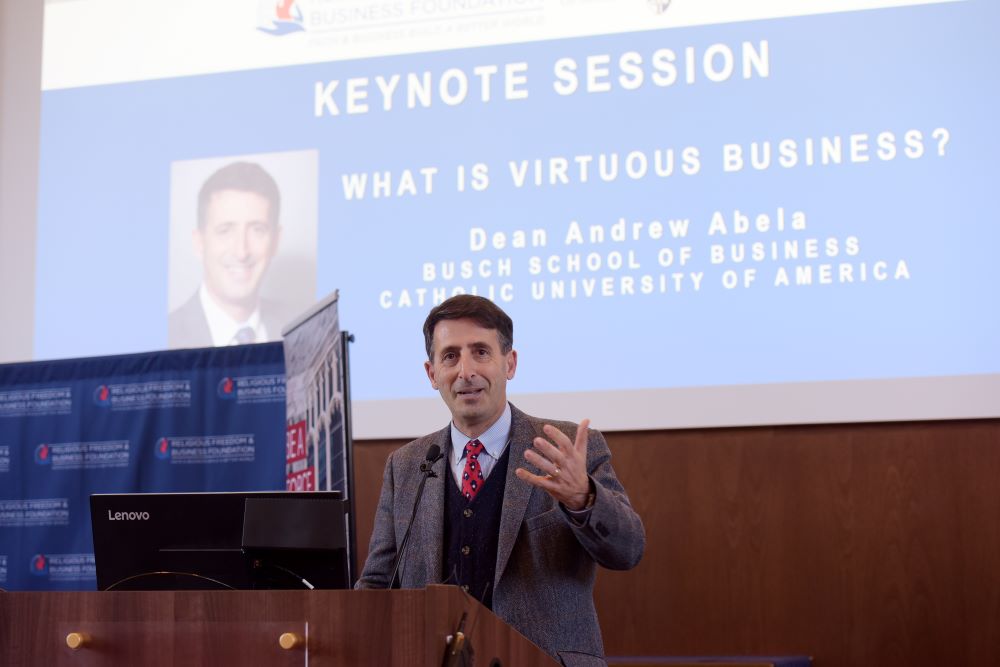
(433, 456)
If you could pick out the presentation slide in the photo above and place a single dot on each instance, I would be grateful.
(696, 213)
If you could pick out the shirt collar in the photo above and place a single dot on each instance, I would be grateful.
(222, 326)
(494, 438)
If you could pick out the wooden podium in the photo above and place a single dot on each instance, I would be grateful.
(258, 628)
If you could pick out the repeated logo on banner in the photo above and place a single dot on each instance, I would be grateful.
(34, 513)
(40, 402)
(144, 395)
(62, 568)
(207, 449)
(184, 420)
(253, 388)
(83, 455)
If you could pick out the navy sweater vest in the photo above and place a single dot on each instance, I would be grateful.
(472, 534)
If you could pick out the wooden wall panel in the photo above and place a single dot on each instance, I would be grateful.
(858, 544)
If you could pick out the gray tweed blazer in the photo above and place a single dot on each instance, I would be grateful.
(545, 563)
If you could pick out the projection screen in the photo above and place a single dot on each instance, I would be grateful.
(705, 213)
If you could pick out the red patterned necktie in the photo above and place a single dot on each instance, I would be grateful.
(472, 476)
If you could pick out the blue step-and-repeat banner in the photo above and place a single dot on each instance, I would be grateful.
(185, 420)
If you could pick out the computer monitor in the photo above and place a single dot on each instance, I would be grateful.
(240, 540)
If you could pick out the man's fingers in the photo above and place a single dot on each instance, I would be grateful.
(560, 439)
(581, 436)
(542, 481)
(545, 464)
(562, 463)
(549, 451)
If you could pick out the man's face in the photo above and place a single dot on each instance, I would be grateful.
(236, 245)
(471, 373)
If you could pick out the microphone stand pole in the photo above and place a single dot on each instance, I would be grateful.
(425, 468)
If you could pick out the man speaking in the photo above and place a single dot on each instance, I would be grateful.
(237, 237)
(522, 509)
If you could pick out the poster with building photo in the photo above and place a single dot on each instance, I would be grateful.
(316, 435)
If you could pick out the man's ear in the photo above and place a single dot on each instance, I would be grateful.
(429, 369)
(511, 364)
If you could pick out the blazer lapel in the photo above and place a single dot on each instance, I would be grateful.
(516, 492)
(431, 541)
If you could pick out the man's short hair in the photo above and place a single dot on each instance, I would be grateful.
(243, 177)
(480, 310)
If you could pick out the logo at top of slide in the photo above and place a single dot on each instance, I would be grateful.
(658, 6)
(282, 17)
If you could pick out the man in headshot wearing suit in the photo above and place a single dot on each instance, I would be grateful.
(522, 510)
(236, 238)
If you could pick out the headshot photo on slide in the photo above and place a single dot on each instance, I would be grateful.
(242, 258)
